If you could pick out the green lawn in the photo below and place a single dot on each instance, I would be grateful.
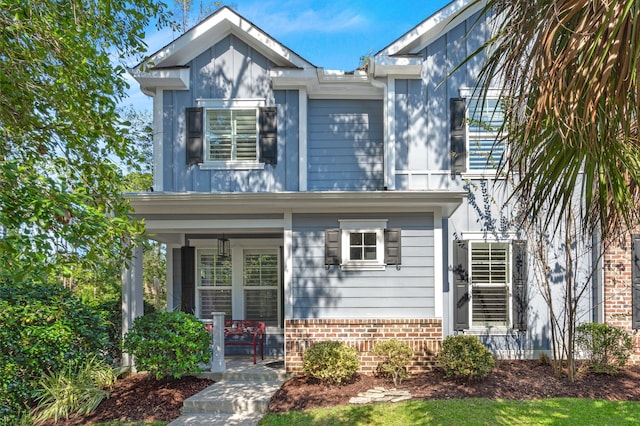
(561, 411)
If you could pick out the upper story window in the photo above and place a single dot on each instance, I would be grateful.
(485, 118)
(475, 127)
(232, 134)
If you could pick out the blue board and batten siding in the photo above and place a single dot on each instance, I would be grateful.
(405, 292)
(422, 148)
(345, 145)
(230, 69)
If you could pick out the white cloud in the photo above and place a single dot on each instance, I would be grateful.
(287, 17)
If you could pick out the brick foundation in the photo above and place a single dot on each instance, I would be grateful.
(424, 336)
(617, 290)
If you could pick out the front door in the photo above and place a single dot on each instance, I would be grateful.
(244, 285)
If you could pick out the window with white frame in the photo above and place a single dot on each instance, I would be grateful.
(237, 134)
(261, 280)
(363, 248)
(214, 284)
(363, 245)
(485, 117)
(490, 279)
(231, 135)
(490, 284)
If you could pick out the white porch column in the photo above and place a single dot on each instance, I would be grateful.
(132, 301)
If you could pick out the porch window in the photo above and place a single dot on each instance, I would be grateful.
(214, 284)
(260, 284)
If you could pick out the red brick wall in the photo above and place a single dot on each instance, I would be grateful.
(617, 289)
(424, 336)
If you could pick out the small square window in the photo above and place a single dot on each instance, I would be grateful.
(362, 244)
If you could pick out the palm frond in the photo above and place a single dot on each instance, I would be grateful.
(568, 70)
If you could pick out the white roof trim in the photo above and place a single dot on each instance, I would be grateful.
(432, 28)
(167, 78)
(214, 28)
(320, 83)
(397, 66)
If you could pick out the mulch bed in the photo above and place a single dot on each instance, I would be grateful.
(509, 380)
(140, 397)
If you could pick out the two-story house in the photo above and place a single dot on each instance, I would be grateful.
(353, 206)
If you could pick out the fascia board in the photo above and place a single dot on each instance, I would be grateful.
(220, 24)
(397, 66)
(433, 27)
(326, 84)
(166, 79)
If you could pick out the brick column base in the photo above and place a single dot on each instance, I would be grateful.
(424, 336)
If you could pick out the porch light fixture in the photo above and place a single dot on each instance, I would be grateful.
(224, 247)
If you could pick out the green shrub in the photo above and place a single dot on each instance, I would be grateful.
(168, 344)
(76, 389)
(331, 362)
(111, 313)
(44, 327)
(606, 347)
(465, 356)
(396, 358)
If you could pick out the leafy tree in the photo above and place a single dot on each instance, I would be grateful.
(61, 77)
(568, 70)
(186, 12)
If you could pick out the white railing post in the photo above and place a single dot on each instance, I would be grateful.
(217, 343)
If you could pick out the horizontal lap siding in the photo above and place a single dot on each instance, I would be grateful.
(319, 292)
(345, 145)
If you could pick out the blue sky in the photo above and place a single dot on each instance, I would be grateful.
(330, 34)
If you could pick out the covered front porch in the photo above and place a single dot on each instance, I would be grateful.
(254, 256)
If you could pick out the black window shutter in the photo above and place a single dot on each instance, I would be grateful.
(332, 252)
(461, 284)
(268, 138)
(458, 135)
(519, 283)
(635, 281)
(195, 135)
(188, 291)
(392, 247)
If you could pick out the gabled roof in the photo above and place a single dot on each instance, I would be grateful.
(214, 28)
(400, 55)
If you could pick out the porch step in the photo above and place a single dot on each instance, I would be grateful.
(232, 398)
(240, 395)
(238, 371)
(217, 419)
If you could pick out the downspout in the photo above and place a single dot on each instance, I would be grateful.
(387, 167)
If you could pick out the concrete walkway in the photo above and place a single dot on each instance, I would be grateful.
(239, 397)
